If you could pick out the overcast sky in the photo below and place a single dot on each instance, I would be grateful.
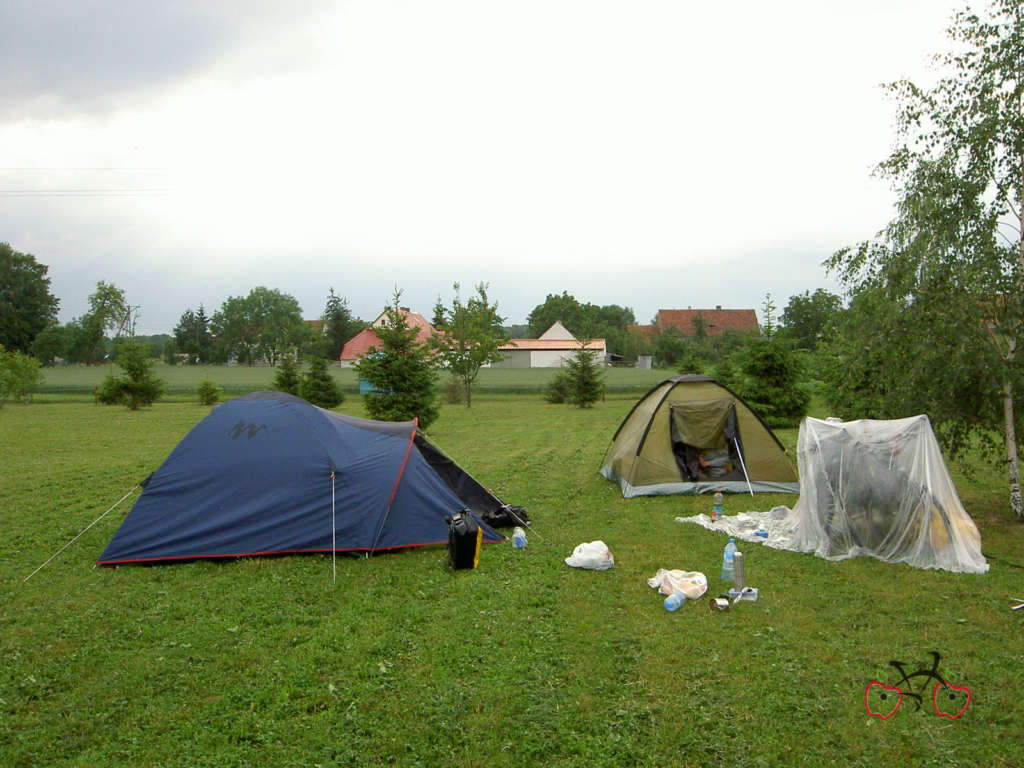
(652, 154)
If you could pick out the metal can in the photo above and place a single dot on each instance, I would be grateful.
(739, 574)
(720, 603)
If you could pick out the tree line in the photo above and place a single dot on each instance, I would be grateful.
(257, 327)
(261, 327)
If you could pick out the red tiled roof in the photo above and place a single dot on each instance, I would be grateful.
(413, 320)
(716, 321)
(360, 344)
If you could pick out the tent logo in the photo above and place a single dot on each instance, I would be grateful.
(242, 428)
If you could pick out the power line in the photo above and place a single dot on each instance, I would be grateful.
(14, 169)
(102, 192)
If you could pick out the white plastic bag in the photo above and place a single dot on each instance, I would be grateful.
(693, 584)
(593, 555)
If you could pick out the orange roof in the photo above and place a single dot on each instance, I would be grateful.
(538, 344)
(359, 345)
(412, 319)
(716, 321)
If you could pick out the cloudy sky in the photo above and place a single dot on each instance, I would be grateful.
(647, 153)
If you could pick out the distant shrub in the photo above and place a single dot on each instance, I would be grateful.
(454, 392)
(20, 376)
(208, 392)
(558, 388)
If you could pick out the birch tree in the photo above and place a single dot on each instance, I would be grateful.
(950, 266)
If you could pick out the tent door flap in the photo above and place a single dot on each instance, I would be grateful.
(706, 441)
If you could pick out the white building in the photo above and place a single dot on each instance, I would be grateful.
(551, 350)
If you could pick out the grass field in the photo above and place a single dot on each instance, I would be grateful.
(237, 379)
(522, 662)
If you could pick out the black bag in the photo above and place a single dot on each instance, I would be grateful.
(507, 516)
(464, 537)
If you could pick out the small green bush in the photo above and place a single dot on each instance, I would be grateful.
(454, 392)
(20, 376)
(108, 392)
(208, 392)
(557, 389)
(138, 387)
(319, 387)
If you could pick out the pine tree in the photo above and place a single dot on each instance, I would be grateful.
(402, 373)
(138, 387)
(287, 377)
(340, 325)
(319, 387)
(208, 392)
(768, 379)
(584, 378)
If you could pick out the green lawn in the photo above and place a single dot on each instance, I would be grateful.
(522, 662)
(182, 379)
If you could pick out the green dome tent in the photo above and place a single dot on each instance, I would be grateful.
(691, 434)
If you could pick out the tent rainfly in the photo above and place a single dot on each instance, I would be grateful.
(269, 473)
(881, 488)
(690, 435)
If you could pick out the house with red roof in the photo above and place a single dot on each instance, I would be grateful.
(551, 350)
(716, 322)
(360, 344)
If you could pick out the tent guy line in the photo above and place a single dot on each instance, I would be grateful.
(81, 533)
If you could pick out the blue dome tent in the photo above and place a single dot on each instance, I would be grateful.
(267, 473)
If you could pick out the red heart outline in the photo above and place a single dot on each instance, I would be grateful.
(887, 688)
(935, 699)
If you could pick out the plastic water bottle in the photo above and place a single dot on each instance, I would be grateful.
(716, 506)
(673, 601)
(727, 559)
(519, 538)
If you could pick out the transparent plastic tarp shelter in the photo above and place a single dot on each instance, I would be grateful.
(881, 488)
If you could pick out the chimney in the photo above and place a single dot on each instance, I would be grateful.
(404, 309)
(718, 306)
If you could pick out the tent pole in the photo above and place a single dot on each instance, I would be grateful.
(394, 491)
(334, 534)
(743, 464)
(90, 525)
